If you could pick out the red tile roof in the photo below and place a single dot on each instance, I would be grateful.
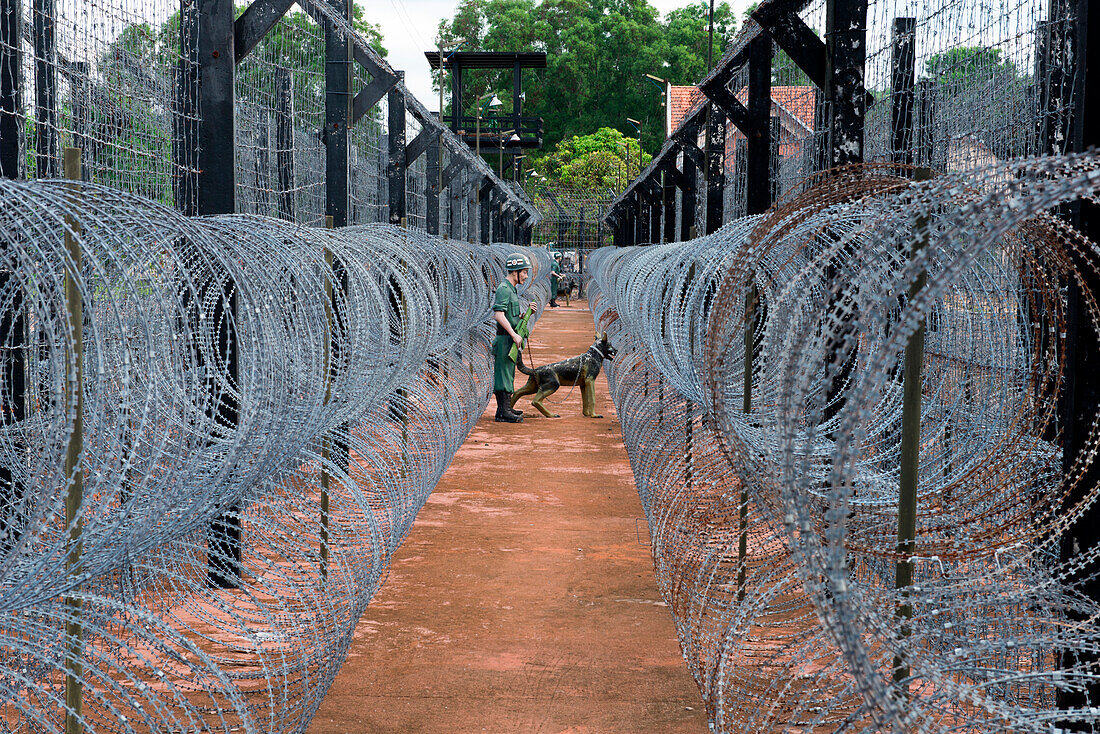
(684, 100)
(798, 102)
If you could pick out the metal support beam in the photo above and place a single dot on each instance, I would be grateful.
(337, 110)
(397, 172)
(903, 78)
(716, 170)
(284, 143)
(845, 94)
(255, 22)
(46, 162)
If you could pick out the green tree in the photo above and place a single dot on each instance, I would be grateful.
(598, 53)
(605, 159)
(966, 63)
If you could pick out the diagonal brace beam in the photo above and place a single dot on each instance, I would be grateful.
(256, 22)
(418, 145)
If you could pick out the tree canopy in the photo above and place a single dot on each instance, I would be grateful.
(602, 161)
(598, 53)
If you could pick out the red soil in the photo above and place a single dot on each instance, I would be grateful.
(523, 599)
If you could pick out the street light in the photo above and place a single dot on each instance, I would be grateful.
(494, 102)
(666, 87)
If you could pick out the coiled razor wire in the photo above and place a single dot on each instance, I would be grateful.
(774, 511)
(361, 362)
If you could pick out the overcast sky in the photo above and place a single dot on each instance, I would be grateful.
(409, 29)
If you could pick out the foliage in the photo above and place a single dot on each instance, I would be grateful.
(139, 67)
(598, 53)
(603, 160)
(968, 63)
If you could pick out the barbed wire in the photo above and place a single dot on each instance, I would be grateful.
(361, 363)
(760, 384)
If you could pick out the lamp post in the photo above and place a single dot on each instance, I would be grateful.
(666, 88)
(494, 102)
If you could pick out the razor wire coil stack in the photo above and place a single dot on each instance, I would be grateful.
(775, 516)
(362, 396)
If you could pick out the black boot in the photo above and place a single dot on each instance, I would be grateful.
(553, 303)
(505, 414)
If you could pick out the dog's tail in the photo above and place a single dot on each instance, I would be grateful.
(520, 366)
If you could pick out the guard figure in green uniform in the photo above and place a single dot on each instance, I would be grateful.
(555, 268)
(507, 312)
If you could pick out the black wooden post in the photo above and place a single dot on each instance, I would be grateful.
(456, 97)
(431, 223)
(846, 102)
(641, 218)
(655, 209)
(716, 173)
(13, 324)
(668, 205)
(207, 45)
(903, 75)
(845, 95)
(284, 142)
(397, 172)
(80, 101)
(337, 117)
(483, 194)
(11, 100)
(630, 235)
(758, 154)
(1075, 86)
(45, 90)
(687, 197)
(925, 153)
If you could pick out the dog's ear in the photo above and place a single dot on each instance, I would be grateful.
(599, 336)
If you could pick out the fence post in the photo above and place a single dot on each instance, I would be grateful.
(337, 117)
(687, 198)
(910, 455)
(284, 142)
(74, 473)
(903, 74)
(397, 172)
(716, 168)
(655, 208)
(432, 190)
(13, 320)
(483, 192)
(45, 89)
(208, 186)
(845, 95)
(1072, 45)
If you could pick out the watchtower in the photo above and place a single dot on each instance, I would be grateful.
(501, 134)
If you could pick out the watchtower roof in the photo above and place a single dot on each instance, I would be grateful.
(489, 59)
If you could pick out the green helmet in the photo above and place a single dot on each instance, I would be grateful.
(557, 255)
(517, 261)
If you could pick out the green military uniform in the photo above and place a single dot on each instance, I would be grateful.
(507, 302)
(555, 268)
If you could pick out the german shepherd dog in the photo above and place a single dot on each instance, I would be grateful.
(583, 370)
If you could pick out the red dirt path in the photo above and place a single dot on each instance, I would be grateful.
(523, 603)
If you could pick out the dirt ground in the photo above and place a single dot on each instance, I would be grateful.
(523, 599)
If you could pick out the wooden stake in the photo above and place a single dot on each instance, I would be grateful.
(74, 476)
(326, 441)
(910, 453)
